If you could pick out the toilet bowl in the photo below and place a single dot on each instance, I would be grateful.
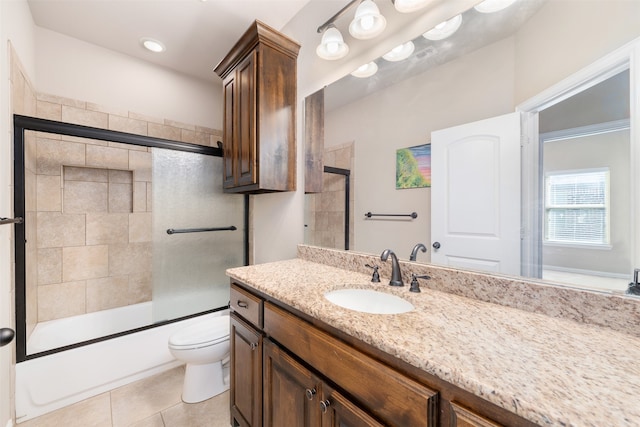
(204, 347)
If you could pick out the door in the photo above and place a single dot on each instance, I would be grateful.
(291, 392)
(338, 411)
(475, 195)
(246, 378)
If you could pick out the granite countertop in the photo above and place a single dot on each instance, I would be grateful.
(547, 370)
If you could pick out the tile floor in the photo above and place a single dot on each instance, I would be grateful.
(151, 402)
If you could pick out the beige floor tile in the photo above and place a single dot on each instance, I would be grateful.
(210, 413)
(137, 401)
(154, 421)
(93, 412)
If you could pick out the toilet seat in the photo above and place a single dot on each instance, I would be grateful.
(201, 334)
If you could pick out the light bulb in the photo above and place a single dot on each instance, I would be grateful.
(366, 22)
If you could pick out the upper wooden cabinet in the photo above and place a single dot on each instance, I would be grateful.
(259, 88)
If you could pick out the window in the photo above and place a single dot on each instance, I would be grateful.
(577, 207)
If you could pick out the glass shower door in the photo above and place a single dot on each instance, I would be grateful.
(189, 263)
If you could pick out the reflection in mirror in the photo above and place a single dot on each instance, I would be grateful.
(582, 229)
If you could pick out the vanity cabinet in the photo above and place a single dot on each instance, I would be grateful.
(259, 90)
(289, 369)
(246, 342)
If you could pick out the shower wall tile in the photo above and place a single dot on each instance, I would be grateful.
(163, 131)
(188, 136)
(49, 193)
(140, 287)
(57, 230)
(107, 157)
(61, 300)
(118, 111)
(140, 227)
(85, 262)
(146, 118)
(139, 196)
(105, 228)
(149, 197)
(179, 125)
(120, 198)
(51, 154)
(83, 196)
(120, 177)
(81, 116)
(129, 258)
(107, 292)
(127, 124)
(140, 163)
(30, 191)
(49, 266)
(85, 174)
(49, 110)
(30, 150)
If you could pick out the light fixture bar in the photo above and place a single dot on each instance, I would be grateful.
(341, 12)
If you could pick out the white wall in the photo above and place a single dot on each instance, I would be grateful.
(75, 69)
(16, 26)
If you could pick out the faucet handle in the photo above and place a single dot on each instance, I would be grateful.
(376, 275)
(415, 286)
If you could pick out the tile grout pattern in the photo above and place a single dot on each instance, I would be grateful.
(150, 402)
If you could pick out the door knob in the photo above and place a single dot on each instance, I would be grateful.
(6, 336)
(436, 245)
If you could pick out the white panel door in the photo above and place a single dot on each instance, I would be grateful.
(475, 195)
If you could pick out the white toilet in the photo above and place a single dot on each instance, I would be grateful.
(204, 347)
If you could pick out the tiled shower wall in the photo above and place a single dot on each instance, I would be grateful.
(324, 212)
(88, 219)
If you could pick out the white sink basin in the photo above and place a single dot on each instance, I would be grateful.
(369, 301)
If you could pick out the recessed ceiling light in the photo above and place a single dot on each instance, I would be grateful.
(152, 45)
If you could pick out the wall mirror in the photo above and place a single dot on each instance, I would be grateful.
(575, 200)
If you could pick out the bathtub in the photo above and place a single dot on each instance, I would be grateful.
(50, 382)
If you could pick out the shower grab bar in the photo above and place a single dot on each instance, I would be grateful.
(199, 230)
(17, 220)
(412, 215)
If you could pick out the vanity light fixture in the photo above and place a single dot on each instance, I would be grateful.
(408, 6)
(490, 6)
(366, 70)
(368, 21)
(399, 53)
(332, 46)
(152, 45)
(444, 29)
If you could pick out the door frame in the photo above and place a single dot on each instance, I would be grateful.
(623, 58)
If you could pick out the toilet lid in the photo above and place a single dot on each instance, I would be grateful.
(207, 331)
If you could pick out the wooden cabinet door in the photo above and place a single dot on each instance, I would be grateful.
(229, 147)
(462, 417)
(338, 411)
(291, 392)
(245, 98)
(246, 374)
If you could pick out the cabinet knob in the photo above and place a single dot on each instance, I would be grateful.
(311, 392)
(242, 304)
(254, 345)
(324, 405)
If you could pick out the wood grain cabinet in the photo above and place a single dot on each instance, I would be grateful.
(259, 90)
(289, 370)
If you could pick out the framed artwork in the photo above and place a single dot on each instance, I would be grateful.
(413, 167)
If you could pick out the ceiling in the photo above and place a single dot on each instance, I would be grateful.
(196, 33)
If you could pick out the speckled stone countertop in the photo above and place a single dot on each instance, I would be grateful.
(551, 371)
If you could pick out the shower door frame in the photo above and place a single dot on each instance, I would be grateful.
(27, 123)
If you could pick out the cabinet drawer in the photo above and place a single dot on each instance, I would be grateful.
(246, 305)
(390, 396)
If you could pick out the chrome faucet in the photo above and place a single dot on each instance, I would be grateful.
(396, 275)
(414, 252)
